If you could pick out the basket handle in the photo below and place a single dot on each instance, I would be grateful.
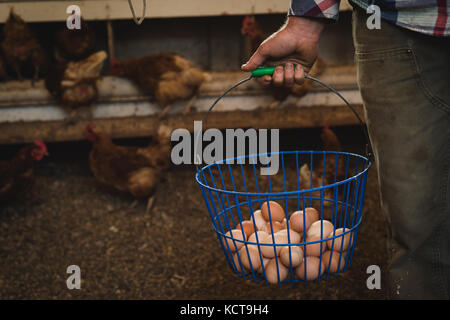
(268, 70)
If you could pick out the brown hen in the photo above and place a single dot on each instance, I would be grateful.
(331, 143)
(130, 169)
(74, 44)
(168, 77)
(74, 84)
(313, 180)
(325, 172)
(17, 174)
(21, 47)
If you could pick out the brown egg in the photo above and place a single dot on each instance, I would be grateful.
(236, 234)
(296, 256)
(248, 227)
(276, 211)
(313, 213)
(341, 242)
(316, 227)
(312, 268)
(276, 226)
(313, 249)
(252, 256)
(294, 237)
(265, 262)
(260, 222)
(335, 264)
(261, 236)
(296, 220)
(272, 272)
(237, 266)
(269, 251)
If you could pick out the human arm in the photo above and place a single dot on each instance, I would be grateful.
(295, 43)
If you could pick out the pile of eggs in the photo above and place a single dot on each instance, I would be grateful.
(271, 249)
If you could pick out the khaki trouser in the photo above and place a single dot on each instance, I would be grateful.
(404, 78)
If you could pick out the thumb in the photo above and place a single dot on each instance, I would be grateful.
(254, 62)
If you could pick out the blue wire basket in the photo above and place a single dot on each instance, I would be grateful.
(323, 187)
(331, 182)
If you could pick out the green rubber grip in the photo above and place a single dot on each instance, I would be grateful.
(263, 71)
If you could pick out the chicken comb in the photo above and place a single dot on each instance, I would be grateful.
(113, 60)
(90, 126)
(248, 20)
(248, 25)
(40, 144)
(89, 132)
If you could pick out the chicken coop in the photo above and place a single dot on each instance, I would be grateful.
(123, 250)
(205, 32)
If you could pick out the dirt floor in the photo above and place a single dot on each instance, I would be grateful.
(124, 253)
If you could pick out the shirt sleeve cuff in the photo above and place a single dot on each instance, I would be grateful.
(328, 9)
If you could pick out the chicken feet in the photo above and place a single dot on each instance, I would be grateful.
(150, 203)
(189, 105)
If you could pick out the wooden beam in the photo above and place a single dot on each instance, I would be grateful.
(28, 113)
(113, 89)
(42, 11)
(288, 117)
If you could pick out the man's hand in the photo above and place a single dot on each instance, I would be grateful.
(295, 43)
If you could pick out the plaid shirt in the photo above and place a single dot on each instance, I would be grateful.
(425, 16)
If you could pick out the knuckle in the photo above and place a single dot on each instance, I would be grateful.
(262, 49)
(300, 81)
(289, 81)
(277, 82)
(288, 85)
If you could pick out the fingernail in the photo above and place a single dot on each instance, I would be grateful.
(289, 66)
(279, 70)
